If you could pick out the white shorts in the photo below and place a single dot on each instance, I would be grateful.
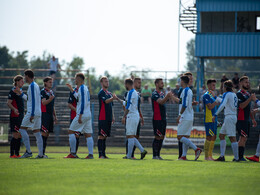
(185, 127)
(132, 122)
(84, 127)
(36, 123)
(229, 126)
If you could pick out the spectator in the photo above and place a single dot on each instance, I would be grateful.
(176, 90)
(235, 81)
(168, 89)
(223, 79)
(146, 94)
(54, 66)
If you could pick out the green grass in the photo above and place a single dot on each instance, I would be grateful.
(57, 175)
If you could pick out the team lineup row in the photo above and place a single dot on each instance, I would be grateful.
(41, 116)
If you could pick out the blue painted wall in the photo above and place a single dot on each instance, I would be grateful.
(227, 5)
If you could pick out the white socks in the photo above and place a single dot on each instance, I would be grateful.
(185, 149)
(26, 140)
(189, 143)
(234, 146)
(138, 145)
(39, 143)
(131, 143)
(90, 144)
(222, 147)
(72, 140)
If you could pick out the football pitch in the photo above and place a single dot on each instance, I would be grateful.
(57, 175)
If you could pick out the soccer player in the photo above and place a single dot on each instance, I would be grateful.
(106, 116)
(229, 103)
(159, 116)
(210, 101)
(131, 119)
(72, 104)
(185, 120)
(244, 112)
(82, 122)
(15, 102)
(48, 111)
(256, 156)
(32, 118)
(137, 87)
(179, 101)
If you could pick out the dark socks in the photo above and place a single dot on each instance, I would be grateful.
(160, 146)
(156, 146)
(126, 146)
(241, 151)
(133, 153)
(17, 146)
(77, 144)
(44, 140)
(180, 148)
(100, 147)
(12, 146)
(104, 147)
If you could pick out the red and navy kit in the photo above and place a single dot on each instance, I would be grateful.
(159, 114)
(243, 124)
(105, 113)
(18, 103)
(72, 100)
(47, 111)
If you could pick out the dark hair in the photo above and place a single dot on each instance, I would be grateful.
(101, 79)
(211, 81)
(46, 79)
(17, 78)
(228, 85)
(185, 79)
(129, 81)
(187, 74)
(157, 80)
(243, 78)
(80, 75)
(29, 73)
(137, 79)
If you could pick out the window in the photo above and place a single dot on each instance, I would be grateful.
(218, 22)
(257, 23)
(247, 21)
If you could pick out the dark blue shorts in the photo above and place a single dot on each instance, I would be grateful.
(52, 72)
(211, 129)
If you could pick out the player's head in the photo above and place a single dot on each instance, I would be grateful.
(47, 81)
(79, 78)
(129, 84)
(189, 74)
(137, 83)
(28, 75)
(18, 81)
(185, 80)
(53, 58)
(159, 83)
(228, 86)
(244, 83)
(211, 83)
(104, 82)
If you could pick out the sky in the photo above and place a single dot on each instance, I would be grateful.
(105, 33)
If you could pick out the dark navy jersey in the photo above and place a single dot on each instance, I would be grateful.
(17, 102)
(159, 111)
(139, 99)
(72, 100)
(45, 93)
(243, 114)
(105, 110)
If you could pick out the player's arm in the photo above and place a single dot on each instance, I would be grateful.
(33, 103)
(114, 97)
(141, 117)
(46, 102)
(176, 99)
(220, 108)
(164, 100)
(9, 104)
(55, 115)
(72, 107)
(48, 65)
(244, 104)
(253, 119)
